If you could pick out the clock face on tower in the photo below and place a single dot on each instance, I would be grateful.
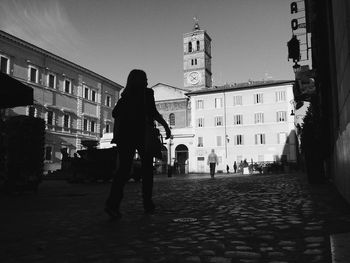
(193, 77)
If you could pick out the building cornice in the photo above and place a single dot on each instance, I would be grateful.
(240, 87)
(159, 84)
(44, 52)
(197, 32)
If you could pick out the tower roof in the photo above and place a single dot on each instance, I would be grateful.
(196, 25)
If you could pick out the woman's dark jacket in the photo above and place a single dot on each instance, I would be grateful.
(131, 115)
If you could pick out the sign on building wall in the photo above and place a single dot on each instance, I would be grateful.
(298, 25)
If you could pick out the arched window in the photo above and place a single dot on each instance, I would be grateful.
(198, 45)
(189, 46)
(172, 119)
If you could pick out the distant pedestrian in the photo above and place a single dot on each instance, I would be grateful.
(227, 168)
(212, 162)
(235, 167)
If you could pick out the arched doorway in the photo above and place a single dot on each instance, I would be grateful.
(181, 158)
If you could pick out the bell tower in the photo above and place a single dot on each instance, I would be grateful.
(197, 59)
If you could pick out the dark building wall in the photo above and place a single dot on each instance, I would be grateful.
(330, 30)
(341, 29)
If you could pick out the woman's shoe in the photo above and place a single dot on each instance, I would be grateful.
(114, 214)
(150, 208)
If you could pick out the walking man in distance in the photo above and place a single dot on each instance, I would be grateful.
(212, 162)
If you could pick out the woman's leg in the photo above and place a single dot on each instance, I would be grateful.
(147, 181)
(125, 155)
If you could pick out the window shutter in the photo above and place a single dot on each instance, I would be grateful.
(256, 139)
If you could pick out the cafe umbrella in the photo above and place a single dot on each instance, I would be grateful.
(14, 93)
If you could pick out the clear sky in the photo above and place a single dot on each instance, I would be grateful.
(111, 37)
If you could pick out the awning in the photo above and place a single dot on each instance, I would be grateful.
(84, 114)
(14, 93)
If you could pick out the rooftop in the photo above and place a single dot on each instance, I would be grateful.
(22, 42)
(241, 86)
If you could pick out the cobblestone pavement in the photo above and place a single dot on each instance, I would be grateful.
(274, 219)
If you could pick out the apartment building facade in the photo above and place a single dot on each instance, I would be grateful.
(249, 122)
(75, 102)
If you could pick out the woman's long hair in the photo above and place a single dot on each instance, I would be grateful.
(136, 84)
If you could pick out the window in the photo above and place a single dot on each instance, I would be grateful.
(108, 101)
(48, 153)
(238, 119)
(218, 103)
(33, 74)
(66, 121)
(108, 128)
(199, 104)
(281, 116)
(218, 121)
(189, 47)
(237, 100)
(219, 140)
(85, 125)
(49, 118)
(200, 122)
(92, 126)
(238, 139)
(172, 119)
(31, 111)
(260, 138)
(282, 138)
(258, 98)
(93, 95)
(51, 81)
(195, 61)
(200, 158)
(198, 45)
(86, 93)
(4, 65)
(259, 117)
(280, 95)
(67, 86)
(200, 142)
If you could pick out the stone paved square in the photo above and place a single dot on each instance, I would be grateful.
(270, 218)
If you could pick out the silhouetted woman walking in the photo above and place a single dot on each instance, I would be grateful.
(135, 109)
